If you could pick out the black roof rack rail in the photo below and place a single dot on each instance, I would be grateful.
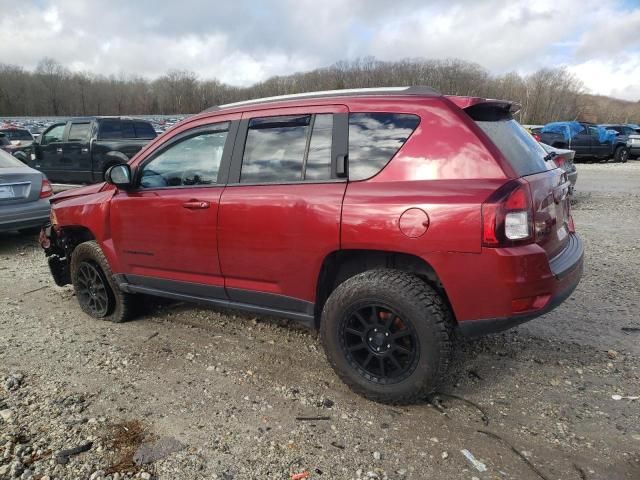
(415, 90)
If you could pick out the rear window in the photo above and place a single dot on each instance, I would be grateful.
(374, 138)
(8, 161)
(521, 150)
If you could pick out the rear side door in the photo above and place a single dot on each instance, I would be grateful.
(48, 151)
(280, 213)
(165, 228)
(76, 157)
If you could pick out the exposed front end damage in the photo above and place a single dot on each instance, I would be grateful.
(58, 246)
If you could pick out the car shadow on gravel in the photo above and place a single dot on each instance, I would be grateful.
(12, 242)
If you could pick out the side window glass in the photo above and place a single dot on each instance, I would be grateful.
(192, 161)
(318, 165)
(275, 148)
(127, 129)
(79, 132)
(110, 129)
(144, 130)
(53, 135)
(374, 138)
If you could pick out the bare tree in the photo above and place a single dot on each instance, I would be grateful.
(545, 95)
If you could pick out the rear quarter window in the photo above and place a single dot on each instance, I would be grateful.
(110, 129)
(374, 138)
(521, 150)
(144, 130)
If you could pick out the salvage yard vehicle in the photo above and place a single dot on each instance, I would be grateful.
(391, 219)
(633, 142)
(586, 139)
(563, 158)
(82, 149)
(24, 196)
(20, 142)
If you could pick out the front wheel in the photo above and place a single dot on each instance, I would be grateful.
(621, 154)
(387, 334)
(94, 286)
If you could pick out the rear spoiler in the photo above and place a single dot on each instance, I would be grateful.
(485, 108)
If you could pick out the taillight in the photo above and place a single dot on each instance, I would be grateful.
(507, 216)
(559, 161)
(46, 190)
(537, 137)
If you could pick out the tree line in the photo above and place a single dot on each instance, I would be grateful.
(51, 89)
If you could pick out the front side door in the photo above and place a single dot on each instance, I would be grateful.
(280, 213)
(48, 151)
(582, 143)
(76, 157)
(600, 149)
(165, 228)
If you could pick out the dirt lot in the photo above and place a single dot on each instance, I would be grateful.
(218, 394)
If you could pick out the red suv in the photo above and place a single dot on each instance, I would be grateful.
(391, 219)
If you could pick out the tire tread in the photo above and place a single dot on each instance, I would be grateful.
(413, 289)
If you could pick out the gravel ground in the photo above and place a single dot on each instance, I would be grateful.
(190, 392)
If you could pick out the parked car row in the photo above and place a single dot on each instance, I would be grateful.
(588, 140)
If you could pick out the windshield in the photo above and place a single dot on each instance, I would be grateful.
(521, 150)
(8, 161)
(15, 134)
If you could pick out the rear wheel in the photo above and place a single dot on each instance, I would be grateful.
(387, 334)
(621, 154)
(95, 288)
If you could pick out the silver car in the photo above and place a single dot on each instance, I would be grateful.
(24, 196)
(564, 159)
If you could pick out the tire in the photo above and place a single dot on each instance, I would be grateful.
(621, 154)
(95, 288)
(380, 305)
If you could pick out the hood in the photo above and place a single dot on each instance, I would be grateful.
(78, 192)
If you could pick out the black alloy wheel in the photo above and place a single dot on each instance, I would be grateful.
(379, 343)
(92, 290)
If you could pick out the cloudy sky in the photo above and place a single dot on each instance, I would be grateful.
(242, 41)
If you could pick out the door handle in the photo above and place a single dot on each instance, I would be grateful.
(58, 150)
(196, 205)
(84, 150)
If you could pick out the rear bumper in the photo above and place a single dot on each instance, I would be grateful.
(24, 215)
(565, 273)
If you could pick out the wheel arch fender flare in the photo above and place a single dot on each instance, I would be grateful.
(341, 265)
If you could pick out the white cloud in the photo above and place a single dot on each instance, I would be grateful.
(617, 76)
(244, 41)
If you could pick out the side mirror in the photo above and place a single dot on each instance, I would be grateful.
(119, 175)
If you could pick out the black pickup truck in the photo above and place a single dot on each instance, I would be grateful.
(587, 142)
(82, 149)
